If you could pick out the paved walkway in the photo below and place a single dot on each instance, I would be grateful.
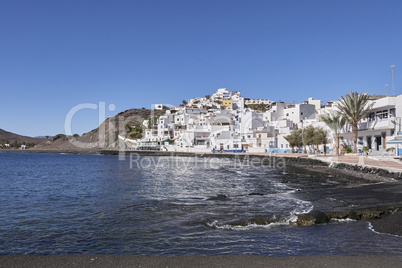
(391, 163)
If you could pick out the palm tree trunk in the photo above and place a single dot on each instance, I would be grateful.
(355, 133)
(337, 143)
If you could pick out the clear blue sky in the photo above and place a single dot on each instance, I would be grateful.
(57, 54)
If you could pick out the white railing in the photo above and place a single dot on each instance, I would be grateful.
(377, 124)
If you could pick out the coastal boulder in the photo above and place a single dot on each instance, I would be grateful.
(314, 217)
(342, 214)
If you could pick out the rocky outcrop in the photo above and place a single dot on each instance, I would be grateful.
(313, 217)
(367, 213)
(368, 170)
(103, 137)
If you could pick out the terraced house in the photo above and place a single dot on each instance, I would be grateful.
(222, 123)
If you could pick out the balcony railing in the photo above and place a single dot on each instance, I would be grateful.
(377, 124)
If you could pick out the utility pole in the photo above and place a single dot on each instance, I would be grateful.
(392, 70)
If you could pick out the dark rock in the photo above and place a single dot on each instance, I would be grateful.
(337, 214)
(58, 136)
(369, 214)
(353, 215)
(314, 217)
(342, 214)
(220, 197)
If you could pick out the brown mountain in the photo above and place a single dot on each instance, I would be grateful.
(9, 137)
(105, 136)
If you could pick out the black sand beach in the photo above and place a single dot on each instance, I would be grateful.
(196, 261)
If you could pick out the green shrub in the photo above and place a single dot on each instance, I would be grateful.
(348, 150)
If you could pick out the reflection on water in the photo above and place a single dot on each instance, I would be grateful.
(71, 204)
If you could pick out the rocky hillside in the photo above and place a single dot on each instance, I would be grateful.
(105, 136)
(8, 137)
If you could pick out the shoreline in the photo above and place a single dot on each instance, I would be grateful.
(298, 160)
(197, 261)
(353, 184)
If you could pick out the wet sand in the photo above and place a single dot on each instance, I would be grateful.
(196, 261)
(389, 224)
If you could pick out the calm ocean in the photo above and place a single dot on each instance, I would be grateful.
(96, 204)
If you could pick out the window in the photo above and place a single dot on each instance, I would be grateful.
(385, 114)
(360, 141)
(382, 114)
(392, 112)
(371, 117)
(281, 145)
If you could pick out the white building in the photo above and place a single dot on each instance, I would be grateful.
(381, 125)
(222, 123)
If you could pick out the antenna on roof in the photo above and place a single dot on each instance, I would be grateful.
(392, 70)
(386, 86)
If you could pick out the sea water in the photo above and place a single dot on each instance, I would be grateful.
(97, 204)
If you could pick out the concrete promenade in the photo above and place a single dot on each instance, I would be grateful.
(390, 163)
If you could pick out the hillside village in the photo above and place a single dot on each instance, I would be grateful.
(228, 122)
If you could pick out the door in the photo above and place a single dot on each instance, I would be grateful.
(378, 142)
(369, 142)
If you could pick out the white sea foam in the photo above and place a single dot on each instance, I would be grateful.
(216, 225)
(370, 226)
(343, 220)
(293, 215)
(305, 207)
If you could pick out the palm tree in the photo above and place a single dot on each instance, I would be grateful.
(335, 122)
(354, 107)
